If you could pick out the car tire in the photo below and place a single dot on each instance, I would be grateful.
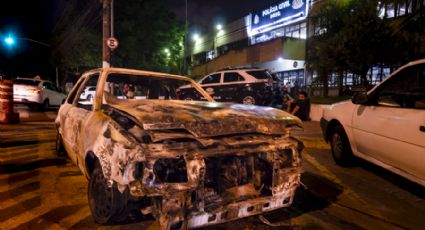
(89, 97)
(45, 105)
(249, 99)
(340, 147)
(107, 204)
(60, 150)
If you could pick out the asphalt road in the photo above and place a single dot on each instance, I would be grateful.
(41, 191)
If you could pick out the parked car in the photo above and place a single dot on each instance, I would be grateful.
(252, 86)
(385, 126)
(189, 163)
(88, 93)
(41, 93)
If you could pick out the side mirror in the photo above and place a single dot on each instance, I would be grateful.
(360, 98)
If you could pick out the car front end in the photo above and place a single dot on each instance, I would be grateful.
(209, 164)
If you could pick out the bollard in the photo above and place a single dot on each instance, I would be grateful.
(7, 114)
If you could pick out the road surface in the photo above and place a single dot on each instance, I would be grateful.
(41, 191)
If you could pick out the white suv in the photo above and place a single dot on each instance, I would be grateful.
(37, 92)
(385, 126)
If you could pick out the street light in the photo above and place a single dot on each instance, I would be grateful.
(219, 27)
(9, 40)
(167, 51)
(196, 37)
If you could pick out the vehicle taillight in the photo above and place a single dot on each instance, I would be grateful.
(34, 91)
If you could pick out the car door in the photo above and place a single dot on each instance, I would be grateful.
(52, 93)
(211, 85)
(232, 86)
(59, 96)
(392, 128)
(46, 92)
(66, 121)
(75, 118)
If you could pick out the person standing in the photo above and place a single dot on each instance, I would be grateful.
(295, 89)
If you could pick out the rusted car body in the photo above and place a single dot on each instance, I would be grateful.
(189, 163)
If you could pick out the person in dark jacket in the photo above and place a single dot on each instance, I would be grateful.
(300, 107)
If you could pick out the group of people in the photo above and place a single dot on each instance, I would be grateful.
(293, 101)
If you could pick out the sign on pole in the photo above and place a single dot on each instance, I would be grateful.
(112, 43)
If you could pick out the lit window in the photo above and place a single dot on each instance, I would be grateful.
(390, 10)
(409, 7)
(401, 9)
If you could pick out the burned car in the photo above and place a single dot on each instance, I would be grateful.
(188, 163)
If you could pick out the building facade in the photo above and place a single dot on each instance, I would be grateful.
(275, 38)
(272, 37)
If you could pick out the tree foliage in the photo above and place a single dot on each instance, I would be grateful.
(144, 29)
(353, 38)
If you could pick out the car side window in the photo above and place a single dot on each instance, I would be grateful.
(87, 102)
(74, 92)
(211, 79)
(406, 89)
(55, 88)
(232, 77)
(47, 85)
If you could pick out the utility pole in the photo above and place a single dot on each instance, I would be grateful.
(106, 15)
(185, 43)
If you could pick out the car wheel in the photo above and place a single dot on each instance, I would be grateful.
(45, 105)
(340, 146)
(248, 100)
(60, 150)
(107, 204)
(89, 97)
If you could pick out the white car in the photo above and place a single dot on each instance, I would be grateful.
(385, 126)
(37, 92)
(88, 93)
(188, 163)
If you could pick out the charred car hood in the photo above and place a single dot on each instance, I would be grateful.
(205, 119)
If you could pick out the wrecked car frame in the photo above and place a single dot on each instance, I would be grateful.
(188, 163)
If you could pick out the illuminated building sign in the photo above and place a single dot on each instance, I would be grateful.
(279, 14)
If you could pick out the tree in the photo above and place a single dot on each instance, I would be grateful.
(325, 48)
(145, 30)
(367, 38)
(150, 36)
(352, 37)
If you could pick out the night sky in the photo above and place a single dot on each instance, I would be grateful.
(36, 19)
(203, 15)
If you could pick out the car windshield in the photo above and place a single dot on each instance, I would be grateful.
(26, 82)
(125, 87)
(259, 74)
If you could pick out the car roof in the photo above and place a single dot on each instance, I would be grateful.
(138, 72)
(233, 68)
(238, 70)
(412, 63)
(32, 79)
